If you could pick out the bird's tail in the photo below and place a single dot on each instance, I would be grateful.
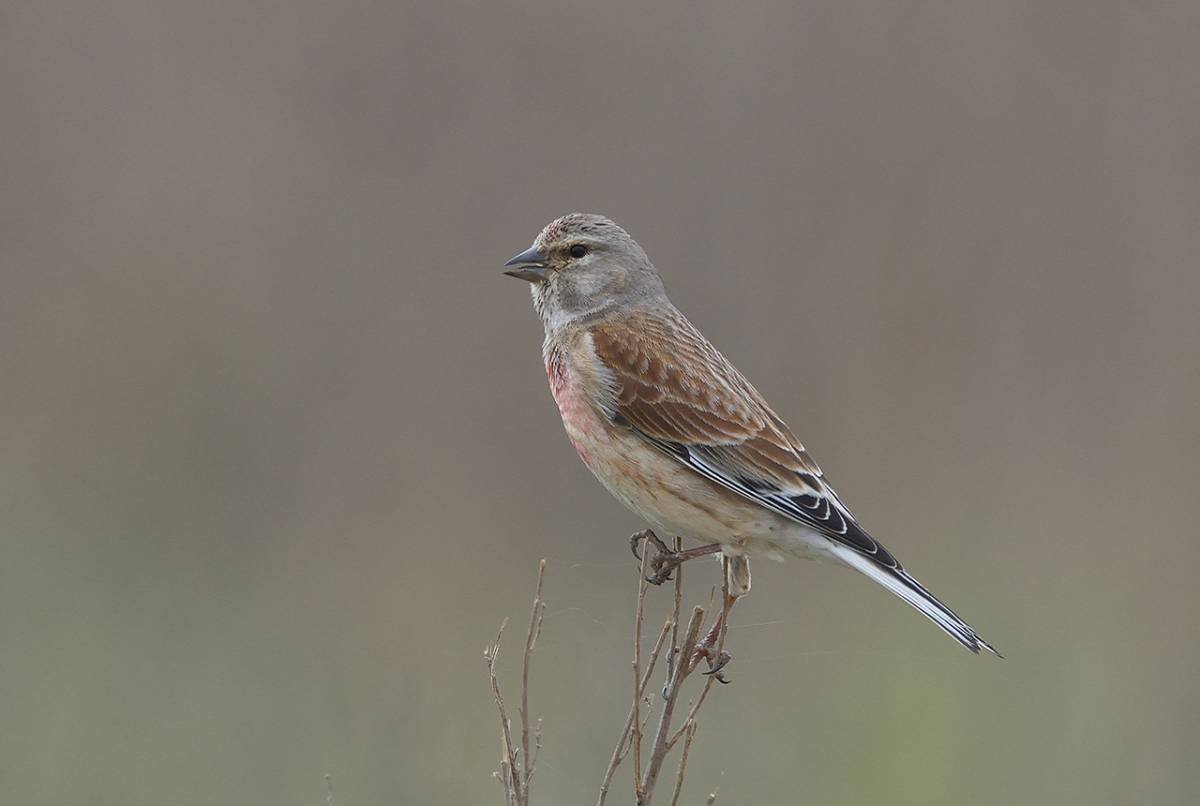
(904, 585)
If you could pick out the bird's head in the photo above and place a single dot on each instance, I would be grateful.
(582, 265)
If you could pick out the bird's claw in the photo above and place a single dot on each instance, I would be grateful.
(664, 561)
(663, 565)
(716, 666)
(637, 538)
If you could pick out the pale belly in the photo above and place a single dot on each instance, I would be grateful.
(671, 497)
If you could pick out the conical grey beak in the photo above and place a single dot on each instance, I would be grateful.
(530, 266)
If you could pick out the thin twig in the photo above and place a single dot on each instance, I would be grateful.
(537, 751)
(710, 679)
(690, 733)
(505, 780)
(512, 777)
(659, 748)
(518, 763)
(508, 764)
(535, 628)
(636, 742)
(622, 748)
(328, 790)
(673, 656)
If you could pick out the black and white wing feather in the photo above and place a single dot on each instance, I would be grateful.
(675, 390)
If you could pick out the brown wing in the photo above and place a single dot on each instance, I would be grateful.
(672, 387)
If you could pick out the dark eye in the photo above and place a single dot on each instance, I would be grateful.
(578, 250)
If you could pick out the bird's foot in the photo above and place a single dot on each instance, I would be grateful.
(706, 647)
(662, 565)
(716, 666)
(664, 561)
(646, 536)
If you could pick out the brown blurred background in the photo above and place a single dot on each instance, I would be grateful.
(277, 452)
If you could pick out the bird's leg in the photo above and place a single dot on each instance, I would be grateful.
(737, 585)
(706, 647)
(665, 561)
(646, 535)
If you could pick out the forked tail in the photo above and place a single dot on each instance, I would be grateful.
(902, 583)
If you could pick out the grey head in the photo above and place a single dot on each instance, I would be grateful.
(582, 266)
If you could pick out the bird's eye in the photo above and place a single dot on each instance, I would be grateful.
(578, 250)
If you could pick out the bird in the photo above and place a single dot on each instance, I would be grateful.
(675, 432)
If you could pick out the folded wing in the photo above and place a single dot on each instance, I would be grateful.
(668, 384)
(671, 386)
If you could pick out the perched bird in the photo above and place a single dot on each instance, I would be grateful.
(673, 430)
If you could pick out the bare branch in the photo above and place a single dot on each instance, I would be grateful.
(508, 762)
(504, 776)
(689, 734)
(537, 751)
(535, 628)
(636, 742)
(685, 648)
(720, 647)
(659, 748)
(622, 748)
(672, 656)
(512, 777)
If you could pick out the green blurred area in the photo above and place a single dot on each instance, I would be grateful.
(276, 451)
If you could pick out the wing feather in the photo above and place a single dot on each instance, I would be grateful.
(668, 384)
(672, 387)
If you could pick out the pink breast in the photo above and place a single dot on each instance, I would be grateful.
(578, 416)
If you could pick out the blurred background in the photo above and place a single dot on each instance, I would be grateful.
(277, 451)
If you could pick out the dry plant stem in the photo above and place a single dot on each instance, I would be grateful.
(518, 763)
(708, 681)
(512, 776)
(659, 748)
(689, 734)
(537, 751)
(674, 654)
(508, 768)
(503, 777)
(531, 636)
(637, 672)
(679, 668)
(619, 752)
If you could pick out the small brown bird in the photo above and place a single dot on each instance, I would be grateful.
(674, 431)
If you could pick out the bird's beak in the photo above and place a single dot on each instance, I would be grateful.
(530, 266)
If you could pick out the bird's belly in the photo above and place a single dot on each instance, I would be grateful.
(669, 496)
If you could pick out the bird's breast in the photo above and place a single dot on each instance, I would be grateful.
(668, 495)
(579, 418)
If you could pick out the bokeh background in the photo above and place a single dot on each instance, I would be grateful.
(277, 453)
